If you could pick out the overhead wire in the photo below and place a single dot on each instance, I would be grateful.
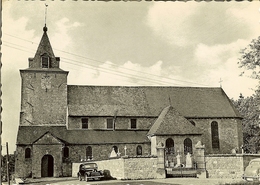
(68, 60)
(153, 75)
(111, 63)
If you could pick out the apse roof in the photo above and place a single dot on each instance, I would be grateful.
(171, 122)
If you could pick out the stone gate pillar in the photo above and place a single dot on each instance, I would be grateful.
(161, 173)
(199, 157)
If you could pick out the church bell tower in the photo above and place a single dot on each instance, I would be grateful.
(44, 88)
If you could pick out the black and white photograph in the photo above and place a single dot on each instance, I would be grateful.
(130, 92)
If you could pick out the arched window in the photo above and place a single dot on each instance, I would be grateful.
(116, 149)
(65, 151)
(187, 146)
(27, 153)
(169, 146)
(193, 123)
(214, 135)
(138, 150)
(89, 155)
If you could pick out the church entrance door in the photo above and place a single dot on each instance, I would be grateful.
(47, 166)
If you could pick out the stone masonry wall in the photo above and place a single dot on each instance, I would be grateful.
(115, 167)
(35, 91)
(224, 166)
(66, 169)
(39, 151)
(140, 168)
(23, 167)
(102, 152)
(100, 122)
(230, 134)
(178, 141)
(126, 168)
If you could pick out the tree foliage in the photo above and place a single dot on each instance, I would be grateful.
(250, 58)
(249, 110)
(249, 107)
(4, 166)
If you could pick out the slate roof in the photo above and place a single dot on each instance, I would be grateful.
(171, 122)
(29, 134)
(44, 48)
(44, 45)
(191, 102)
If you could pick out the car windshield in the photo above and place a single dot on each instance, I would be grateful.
(255, 163)
(89, 165)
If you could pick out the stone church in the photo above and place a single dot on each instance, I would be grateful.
(61, 124)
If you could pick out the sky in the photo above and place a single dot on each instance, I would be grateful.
(190, 43)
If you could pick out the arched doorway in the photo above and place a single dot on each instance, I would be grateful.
(47, 166)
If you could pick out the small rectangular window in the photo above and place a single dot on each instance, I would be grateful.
(110, 123)
(45, 62)
(133, 123)
(84, 122)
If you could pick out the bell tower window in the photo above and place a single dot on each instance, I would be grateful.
(45, 61)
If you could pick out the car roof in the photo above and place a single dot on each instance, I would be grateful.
(88, 163)
(257, 159)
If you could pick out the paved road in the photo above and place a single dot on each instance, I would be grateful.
(168, 181)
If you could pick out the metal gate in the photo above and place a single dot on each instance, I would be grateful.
(179, 164)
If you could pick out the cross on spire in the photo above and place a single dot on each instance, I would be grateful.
(220, 80)
(45, 28)
(45, 14)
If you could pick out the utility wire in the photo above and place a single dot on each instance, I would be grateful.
(111, 64)
(80, 64)
(120, 73)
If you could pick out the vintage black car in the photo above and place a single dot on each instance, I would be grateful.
(89, 171)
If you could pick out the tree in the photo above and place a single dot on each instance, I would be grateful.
(250, 58)
(248, 109)
(4, 167)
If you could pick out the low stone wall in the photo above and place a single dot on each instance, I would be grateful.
(140, 168)
(126, 167)
(114, 166)
(227, 165)
(75, 169)
(217, 166)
